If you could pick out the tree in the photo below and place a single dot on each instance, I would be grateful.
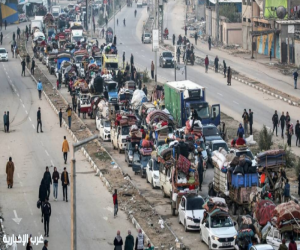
(230, 11)
(265, 139)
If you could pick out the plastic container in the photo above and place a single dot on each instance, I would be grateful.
(238, 180)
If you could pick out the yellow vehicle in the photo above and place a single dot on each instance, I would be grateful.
(110, 61)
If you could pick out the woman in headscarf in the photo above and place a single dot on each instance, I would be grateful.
(290, 134)
(118, 242)
(229, 76)
(10, 169)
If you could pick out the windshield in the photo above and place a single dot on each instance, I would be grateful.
(78, 59)
(218, 222)
(170, 130)
(210, 131)
(145, 159)
(125, 130)
(147, 35)
(167, 54)
(202, 109)
(287, 236)
(160, 143)
(155, 165)
(246, 153)
(112, 65)
(194, 203)
(77, 38)
(216, 146)
(2, 51)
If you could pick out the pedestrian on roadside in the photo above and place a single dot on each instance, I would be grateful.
(145, 90)
(295, 74)
(178, 54)
(229, 74)
(65, 183)
(275, 122)
(32, 66)
(292, 244)
(28, 246)
(185, 30)
(45, 247)
(39, 121)
(270, 54)
(152, 70)
(65, 149)
(216, 64)
(240, 130)
(200, 169)
(74, 103)
(129, 241)
(245, 117)
(282, 246)
(18, 33)
(115, 200)
(115, 40)
(250, 121)
(209, 43)
(290, 133)
(196, 37)
(69, 111)
(40, 88)
(1, 37)
(286, 191)
(206, 62)
(23, 63)
(48, 180)
(5, 24)
(55, 178)
(46, 213)
(131, 60)
(123, 59)
(10, 169)
(5, 121)
(27, 60)
(140, 241)
(287, 120)
(14, 36)
(282, 123)
(297, 133)
(42, 193)
(94, 28)
(299, 183)
(173, 39)
(224, 68)
(60, 117)
(118, 242)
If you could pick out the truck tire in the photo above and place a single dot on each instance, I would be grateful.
(233, 208)
(179, 219)
(173, 211)
(201, 237)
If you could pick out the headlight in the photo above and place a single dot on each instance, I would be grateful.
(164, 59)
(235, 236)
(106, 131)
(190, 218)
(155, 176)
(214, 237)
(130, 157)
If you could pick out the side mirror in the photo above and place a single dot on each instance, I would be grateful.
(234, 223)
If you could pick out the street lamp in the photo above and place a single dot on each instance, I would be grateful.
(76, 146)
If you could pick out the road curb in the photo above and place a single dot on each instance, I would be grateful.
(247, 83)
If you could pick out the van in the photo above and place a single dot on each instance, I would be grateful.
(139, 4)
(146, 37)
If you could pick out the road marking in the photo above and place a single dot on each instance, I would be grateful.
(23, 105)
(235, 102)
(26, 112)
(21, 184)
(46, 152)
(220, 94)
(29, 118)
(42, 144)
(8, 76)
(105, 218)
(18, 175)
(21, 100)
(18, 94)
(52, 163)
(33, 126)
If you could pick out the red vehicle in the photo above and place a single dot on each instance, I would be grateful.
(166, 34)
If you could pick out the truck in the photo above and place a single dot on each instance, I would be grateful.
(40, 18)
(36, 24)
(56, 10)
(76, 35)
(181, 97)
(110, 61)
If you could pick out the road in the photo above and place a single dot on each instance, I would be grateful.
(31, 153)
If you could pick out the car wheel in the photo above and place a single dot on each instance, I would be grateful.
(125, 159)
(179, 219)
(209, 245)
(185, 227)
(119, 150)
(141, 173)
(147, 179)
(201, 237)
(152, 183)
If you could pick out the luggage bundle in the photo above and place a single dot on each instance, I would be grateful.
(271, 158)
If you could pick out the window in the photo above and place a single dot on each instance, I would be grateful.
(2, 51)
(210, 131)
(194, 203)
(183, 202)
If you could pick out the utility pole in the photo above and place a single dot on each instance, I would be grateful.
(162, 19)
(86, 14)
(114, 18)
(155, 27)
(252, 21)
(217, 22)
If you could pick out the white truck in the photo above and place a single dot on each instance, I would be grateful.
(119, 136)
(56, 10)
(36, 24)
(76, 35)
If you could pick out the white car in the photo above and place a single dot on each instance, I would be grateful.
(139, 4)
(190, 212)
(104, 128)
(218, 231)
(274, 238)
(261, 247)
(152, 173)
(3, 54)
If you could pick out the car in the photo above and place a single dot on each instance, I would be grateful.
(190, 212)
(129, 154)
(274, 238)
(211, 133)
(214, 145)
(261, 247)
(146, 37)
(166, 59)
(218, 231)
(139, 4)
(145, 3)
(152, 173)
(246, 152)
(3, 54)
(104, 128)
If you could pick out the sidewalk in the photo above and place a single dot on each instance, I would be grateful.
(259, 69)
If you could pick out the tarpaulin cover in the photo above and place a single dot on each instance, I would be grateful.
(264, 210)
(156, 115)
(286, 211)
(183, 164)
(271, 158)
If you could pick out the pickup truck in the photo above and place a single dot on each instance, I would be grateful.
(211, 146)
(119, 136)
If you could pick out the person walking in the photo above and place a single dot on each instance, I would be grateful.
(229, 74)
(42, 193)
(152, 70)
(28, 60)
(185, 30)
(55, 178)
(196, 38)
(295, 74)
(29, 246)
(206, 62)
(115, 200)
(287, 120)
(129, 241)
(245, 117)
(5, 121)
(297, 133)
(47, 180)
(178, 54)
(74, 103)
(292, 244)
(69, 112)
(46, 213)
(32, 66)
(173, 39)
(45, 247)
(23, 63)
(286, 191)
(65, 149)
(275, 121)
(290, 134)
(14, 36)
(209, 43)
(140, 241)
(5, 24)
(283, 246)
(270, 54)
(224, 68)
(131, 60)
(115, 40)
(10, 169)
(118, 242)
(40, 88)
(18, 33)
(123, 59)
(216, 64)
(250, 121)
(124, 22)
(1, 37)
(60, 117)
(65, 183)
(282, 123)
(200, 169)
(39, 121)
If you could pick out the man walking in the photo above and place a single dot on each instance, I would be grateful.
(32, 66)
(10, 169)
(275, 122)
(65, 183)
(206, 62)
(5, 24)
(295, 74)
(145, 90)
(123, 59)
(69, 112)
(65, 149)
(1, 37)
(47, 181)
(245, 117)
(74, 103)
(18, 33)
(216, 64)
(297, 133)
(5, 121)
(286, 191)
(23, 63)
(55, 178)
(196, 38)
(173, 38)
(250, 121)
(140, 241)
(282, 123)
(40, 88)
(185, 30)
(39, 121)
(209, 43)
(224, 68)
(118, 242)
(46, 213)
(131, 60)
(129, 241)
(115, 200)
(45, 247)
(152, 70)
(60, 117)
(200, 169)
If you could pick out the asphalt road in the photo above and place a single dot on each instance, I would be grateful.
(31, 153)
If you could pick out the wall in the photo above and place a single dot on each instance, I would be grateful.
(232, 33)
(9, 12)
(297, 53)
(208, 21)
